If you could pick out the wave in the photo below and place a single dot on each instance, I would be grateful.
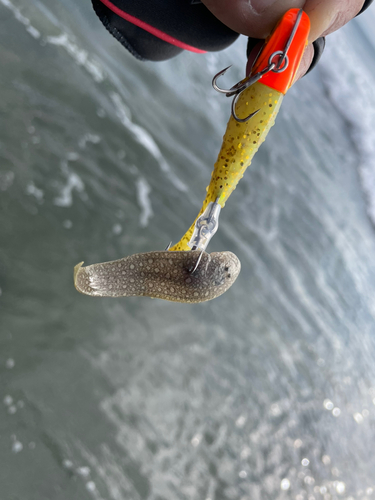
(349, 80)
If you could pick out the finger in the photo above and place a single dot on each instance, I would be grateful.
(328, 16)
(257, 18)
(305, 62)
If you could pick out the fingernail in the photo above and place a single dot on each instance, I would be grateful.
(259, 6)
(321, 20)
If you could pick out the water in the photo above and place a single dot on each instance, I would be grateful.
(267, 392)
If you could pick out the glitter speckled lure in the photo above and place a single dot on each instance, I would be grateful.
(195, 276)
(240, 143)
(273, 72)
(163, 275)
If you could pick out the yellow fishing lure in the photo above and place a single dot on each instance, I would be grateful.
(176, 276)
(240, 143)
(272, 74)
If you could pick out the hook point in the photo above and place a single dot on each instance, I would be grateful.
(216, 77)
(191, 271)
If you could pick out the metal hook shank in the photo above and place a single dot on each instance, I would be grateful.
(240, 86)
(205, 227)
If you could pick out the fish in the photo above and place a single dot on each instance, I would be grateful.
(163, 275)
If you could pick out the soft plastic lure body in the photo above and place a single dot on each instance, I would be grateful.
(162, 275)
(242, 139)
(175, 274)
(240, 143)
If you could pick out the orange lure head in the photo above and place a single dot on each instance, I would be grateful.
(293, 30)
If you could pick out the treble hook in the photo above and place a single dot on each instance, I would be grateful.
(277, 67)
(238, 88)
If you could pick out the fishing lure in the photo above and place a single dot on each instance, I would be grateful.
(256, 103)
(185, 272)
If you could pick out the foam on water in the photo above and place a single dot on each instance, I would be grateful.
(73, 183)
(81, 56)
(84, 59)
(143, 137)
(22, 19)
(88, 138)
(344, 69)
(32, 190)
(249, 397)
(143, 192)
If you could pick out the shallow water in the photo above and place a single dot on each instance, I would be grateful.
(267, 392)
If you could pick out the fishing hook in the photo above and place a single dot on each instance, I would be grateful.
(277, 67)
(205, 227)
(191, 271)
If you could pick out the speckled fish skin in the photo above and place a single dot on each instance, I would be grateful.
(163, 275)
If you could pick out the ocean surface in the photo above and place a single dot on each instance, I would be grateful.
(265, 393)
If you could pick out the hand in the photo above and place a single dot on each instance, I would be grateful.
(257, 18)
